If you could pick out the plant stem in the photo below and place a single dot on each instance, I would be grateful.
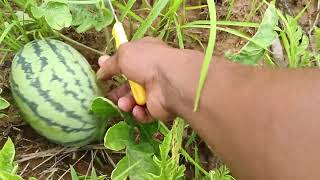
(79, 44)
(185, 153)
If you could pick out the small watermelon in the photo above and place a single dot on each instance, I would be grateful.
(54, 85)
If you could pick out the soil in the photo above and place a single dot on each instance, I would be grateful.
(44, 160)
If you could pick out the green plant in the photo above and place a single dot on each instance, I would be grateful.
(295, 42)
(230, 8)
(43, 21)
(8, 168)
(209, 51)
(317, 35)
(82, 14)
(222, 173)
(55, 12)
(3, 104)
(255, 49)
(93, 175)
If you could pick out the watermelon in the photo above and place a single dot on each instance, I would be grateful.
(53, 86)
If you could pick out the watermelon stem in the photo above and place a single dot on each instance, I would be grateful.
(78, 43)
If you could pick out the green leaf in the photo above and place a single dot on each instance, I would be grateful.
(32, 178)
(222, 173)
(55, 12)
(142, 152)
(73, 172)
(7, 176)
(85, 26)
(317, 35)
(177, 134)
(37, 12)
(209, 51)
(104, 19)
(169, 167)
(295, 42)
(118, 172)
(165, 146)
(3, 104)
(154, 13)
(126, 9)
(2, 115)
(94, 174)
(251, 53)
(118, 136)
(23, 17)
(7, 154)
(90, 16)
(6, 31)
(58, 15)
(104, 108)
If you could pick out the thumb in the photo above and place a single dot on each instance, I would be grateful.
(108, 67)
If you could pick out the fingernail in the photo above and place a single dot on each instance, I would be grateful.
(103, 59)
(100, 73)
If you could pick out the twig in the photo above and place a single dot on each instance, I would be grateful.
(110, 159)
(312, 27)
(93, 154)
(317, 18)
(73, 165)
(48, 159)
(50, 152)
(56, 162)
(52, 171)
(24, 169)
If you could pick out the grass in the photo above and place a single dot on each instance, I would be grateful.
(168, 20)
(209, 51)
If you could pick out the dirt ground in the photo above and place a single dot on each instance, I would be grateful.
(44, 160)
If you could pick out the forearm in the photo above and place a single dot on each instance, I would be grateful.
(262, 122)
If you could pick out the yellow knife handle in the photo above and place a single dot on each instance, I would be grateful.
(139, 93)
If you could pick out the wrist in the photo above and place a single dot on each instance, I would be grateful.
(179, 82)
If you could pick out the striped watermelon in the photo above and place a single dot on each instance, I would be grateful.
(53, 85)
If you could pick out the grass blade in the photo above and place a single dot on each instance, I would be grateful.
(74, 175)
(126, 9)
(155, 12)
(129, 13)
(6, 31)
(209, 51)
(230, 9)
(222, 23)
(179, 33)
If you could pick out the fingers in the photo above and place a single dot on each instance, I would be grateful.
(102, 59)
(108, 67)
(123, 97)
(126, 103)
(119, 92)
(141, 114)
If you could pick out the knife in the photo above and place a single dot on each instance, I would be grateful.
(120, 37)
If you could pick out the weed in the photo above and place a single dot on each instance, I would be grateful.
(8, 168)
(3, 105)
(147, 157)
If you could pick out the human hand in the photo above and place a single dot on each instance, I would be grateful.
(141, 61)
